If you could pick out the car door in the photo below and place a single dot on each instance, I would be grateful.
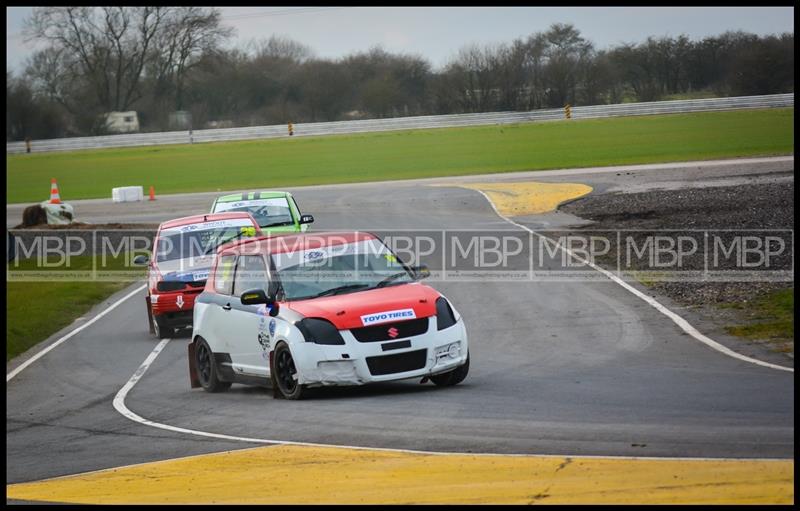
(252, 328)
(217, 317)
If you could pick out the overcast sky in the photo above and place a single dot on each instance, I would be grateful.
(436, 33)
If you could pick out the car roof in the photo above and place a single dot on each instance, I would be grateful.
(277, 244)
(263, 194)
(209, 217)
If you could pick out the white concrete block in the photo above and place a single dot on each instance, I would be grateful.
(127, 194)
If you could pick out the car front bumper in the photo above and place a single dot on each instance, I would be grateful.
(357, 363)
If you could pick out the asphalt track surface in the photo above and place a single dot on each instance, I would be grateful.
(570, 368)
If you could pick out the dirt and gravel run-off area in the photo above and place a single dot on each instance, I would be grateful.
(758, 310)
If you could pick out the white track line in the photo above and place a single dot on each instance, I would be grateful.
(42, 353)
(121, 407)
(119, 403)
(678, 320)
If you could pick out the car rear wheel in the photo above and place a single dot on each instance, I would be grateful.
(161, 331)
(453, 377)
(150, 316)
(286, 373)
(207, 370)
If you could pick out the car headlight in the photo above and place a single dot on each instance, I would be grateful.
(319, 331)
(444, 314)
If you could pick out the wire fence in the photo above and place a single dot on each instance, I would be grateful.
(404, 123)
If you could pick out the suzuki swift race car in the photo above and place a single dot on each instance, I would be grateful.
(183, 252)
(320, 309)
(274, 211)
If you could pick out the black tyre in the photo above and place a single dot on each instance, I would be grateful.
(161, 331)
(206, 368)
(150, 316)
(286, 373)
(453, 377)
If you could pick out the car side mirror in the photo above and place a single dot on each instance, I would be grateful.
(254, 297)
(421, 271)
(259, 296)
(141, 260)
(306, 219)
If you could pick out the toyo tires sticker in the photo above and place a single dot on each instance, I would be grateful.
(387, 316)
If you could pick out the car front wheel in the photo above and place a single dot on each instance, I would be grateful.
(453, 377)
(286, 373)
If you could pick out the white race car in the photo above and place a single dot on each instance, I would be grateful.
(320, 309)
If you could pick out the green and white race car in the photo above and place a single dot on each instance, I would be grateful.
(274, 211)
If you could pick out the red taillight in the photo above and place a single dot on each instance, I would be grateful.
(154, 278)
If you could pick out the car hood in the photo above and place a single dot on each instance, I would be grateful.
(372, 307)
(193, 268)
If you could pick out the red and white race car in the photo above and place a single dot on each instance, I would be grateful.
(184, 250)
(321, 309)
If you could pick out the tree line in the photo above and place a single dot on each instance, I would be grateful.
(159, 60)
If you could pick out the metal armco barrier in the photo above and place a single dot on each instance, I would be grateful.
(404, 123)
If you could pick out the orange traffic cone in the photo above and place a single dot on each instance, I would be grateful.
(152, 193)
(54, 197)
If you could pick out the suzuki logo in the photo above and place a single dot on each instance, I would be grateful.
(179, 301)
(393, 332)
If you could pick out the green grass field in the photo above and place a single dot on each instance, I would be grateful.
(279, 163)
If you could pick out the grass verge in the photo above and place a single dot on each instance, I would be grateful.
(770, 318)
(277, 163)
(37, 310)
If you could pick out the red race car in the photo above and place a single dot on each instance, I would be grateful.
(184, 250)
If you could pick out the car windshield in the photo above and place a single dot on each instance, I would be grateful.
(203, 238)
(267, 212)
(339, 269)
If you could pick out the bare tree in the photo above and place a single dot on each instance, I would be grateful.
(511, 76)
(323, 85)
(477, 68)
(274, 72)
(533, 69)
(566, 55)
(108, 46)
(638, 70)
(186, 33)
(599, 79)
(282, 48)
(50, 73)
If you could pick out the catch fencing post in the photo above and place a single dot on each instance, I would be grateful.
(568, 112)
